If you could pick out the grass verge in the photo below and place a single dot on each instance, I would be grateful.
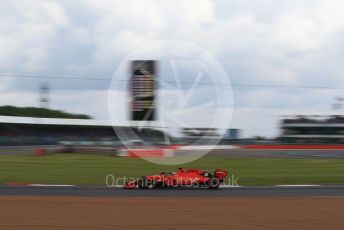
(84, 169)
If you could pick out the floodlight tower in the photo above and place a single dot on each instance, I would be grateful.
(44, 91)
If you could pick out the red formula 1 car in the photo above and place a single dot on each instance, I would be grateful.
(181, 178)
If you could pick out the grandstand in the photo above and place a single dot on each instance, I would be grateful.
(16, 131)
(313, 129)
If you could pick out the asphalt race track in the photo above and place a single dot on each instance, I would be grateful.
(251, 191)
(241, 153)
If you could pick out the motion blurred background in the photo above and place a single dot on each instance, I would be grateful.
(283, 61)
(283, 58)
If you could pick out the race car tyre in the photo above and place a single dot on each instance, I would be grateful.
(143, 183)
(214, 183)
(159, 185)
(174, 183)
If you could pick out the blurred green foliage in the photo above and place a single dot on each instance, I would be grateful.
(38, 112)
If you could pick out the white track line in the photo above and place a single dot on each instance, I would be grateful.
(221, 186)
(52, 185)
(297, 185)
(230, 186)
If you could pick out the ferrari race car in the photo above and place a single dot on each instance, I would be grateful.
(181, 178)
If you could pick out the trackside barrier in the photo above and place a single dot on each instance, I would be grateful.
(172, 147)
(293, 147)
(207, 147)
(40, 152)
(137, 153)
(262, 147)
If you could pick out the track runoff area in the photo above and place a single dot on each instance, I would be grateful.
(93, 207)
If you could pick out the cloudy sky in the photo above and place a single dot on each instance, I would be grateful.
(265, 46)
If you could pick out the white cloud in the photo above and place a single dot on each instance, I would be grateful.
(26, 25)
(286, 42)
